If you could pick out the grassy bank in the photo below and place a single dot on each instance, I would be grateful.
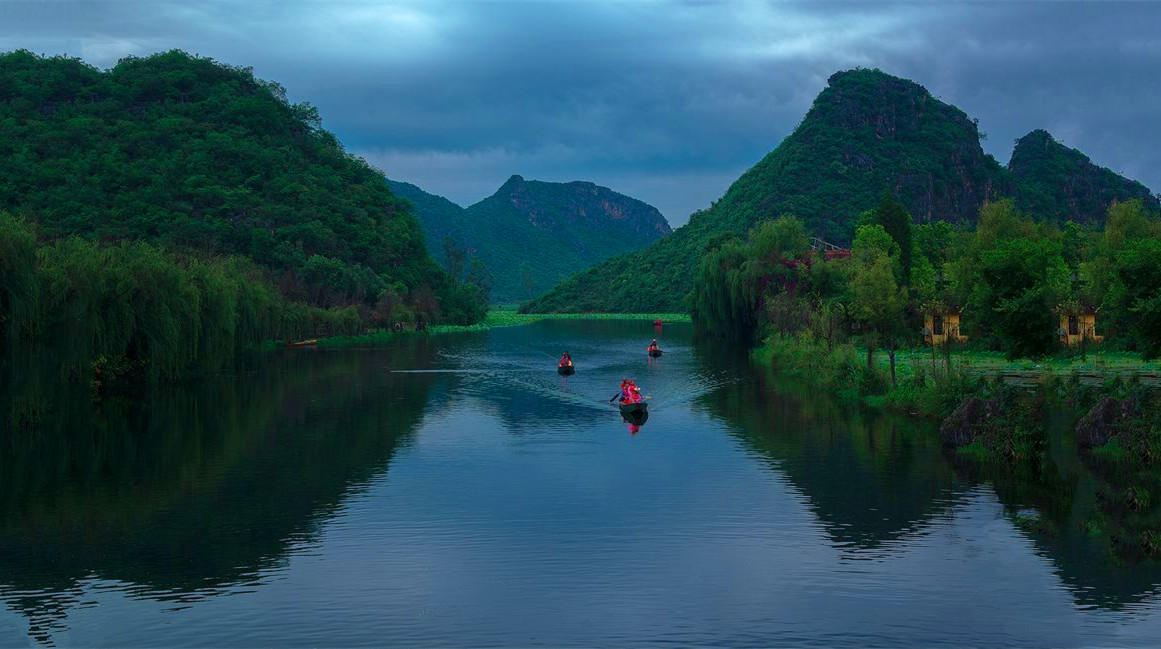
(496, 318)
(994, 410)
(933, 385)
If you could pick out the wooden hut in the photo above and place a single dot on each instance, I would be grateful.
(1078, 325)
(941, 326)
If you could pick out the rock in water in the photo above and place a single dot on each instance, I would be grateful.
(963, 425)
(1104, 421)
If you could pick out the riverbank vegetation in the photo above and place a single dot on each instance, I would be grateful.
(1012, 284)
(1013, 303)
(133, 309)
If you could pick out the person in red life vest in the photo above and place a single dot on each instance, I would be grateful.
(630, 393)
(566, 360)
(634, 393)
(653, 345)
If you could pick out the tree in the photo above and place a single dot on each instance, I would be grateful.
(1023, 281)
(1127, 223)
(1010, 278)
(877, 302)
(739, 285)
(480, 277)
(936, 241)
(783, 238)
(897, 222)
(454, 257)
(1076, 241)
(875, 237)
(383, 314)
(1139, 270)
(18, 281)
(719, 302)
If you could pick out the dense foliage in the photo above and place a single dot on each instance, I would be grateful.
(866, 133)
(733, 277)
(198, 156)
(1011, 277)
(531, 234)
(130, 308)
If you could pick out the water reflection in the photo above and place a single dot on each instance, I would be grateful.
(183, 492)
(869, 479)
(874, 480)
(1097, 521)
(457, 491)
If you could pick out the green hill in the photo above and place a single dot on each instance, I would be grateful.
(532, 234)
(201, 157)
(1060, 183)
(866, 133)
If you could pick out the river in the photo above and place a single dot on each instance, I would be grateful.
(454, 491)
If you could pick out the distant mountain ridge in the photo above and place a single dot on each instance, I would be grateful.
(532, 234)
(867, 132)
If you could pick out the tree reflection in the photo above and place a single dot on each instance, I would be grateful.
(182, 492)
(872, 479)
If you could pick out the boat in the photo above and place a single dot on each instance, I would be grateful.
(566, 370)
(304, 343)
(634, 413)
(654, 352)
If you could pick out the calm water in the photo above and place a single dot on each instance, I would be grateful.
(456, 492)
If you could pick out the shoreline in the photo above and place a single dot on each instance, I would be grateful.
(495, 319)
(988, 408)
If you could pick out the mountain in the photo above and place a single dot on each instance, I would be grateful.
(1057, 182)
(204, 158)
(532, 234)
(866, 133)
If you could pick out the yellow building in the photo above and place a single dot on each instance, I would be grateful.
(1075, 327)
(942, 327)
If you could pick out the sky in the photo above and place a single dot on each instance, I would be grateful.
(667, 101)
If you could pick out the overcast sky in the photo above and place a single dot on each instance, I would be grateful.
(667, 101)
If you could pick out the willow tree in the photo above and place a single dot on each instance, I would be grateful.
(18, 283)
(734, 279)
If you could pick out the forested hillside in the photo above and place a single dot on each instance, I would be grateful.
(531, 234)
(865, 134)
(1060, 183)
(201, 157)
(438, 217)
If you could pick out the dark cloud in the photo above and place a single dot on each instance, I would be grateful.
(665, 101)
